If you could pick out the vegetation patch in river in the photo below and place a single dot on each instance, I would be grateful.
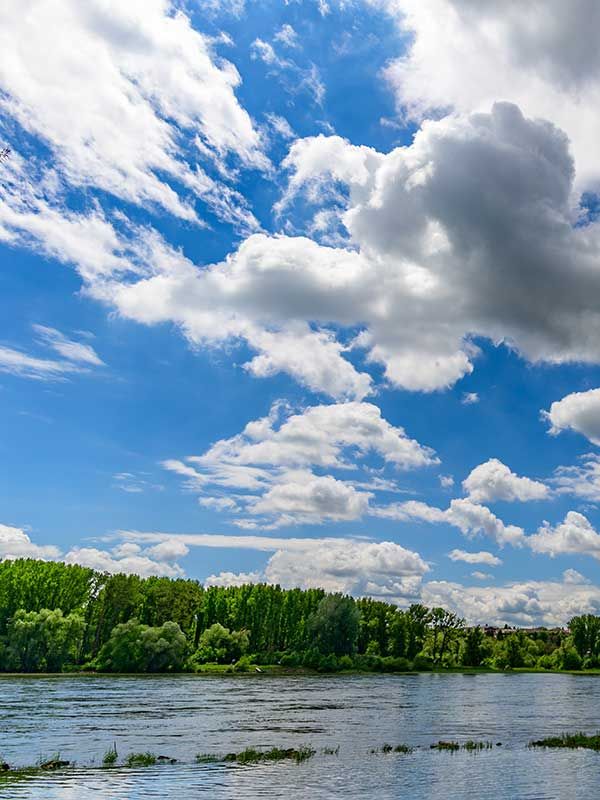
(570, 740)
(251, 756)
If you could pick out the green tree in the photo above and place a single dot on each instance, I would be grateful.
(44, 641)
(334, 625)
(444, 624)
(473, 652)
(134, 647)
(221, 646)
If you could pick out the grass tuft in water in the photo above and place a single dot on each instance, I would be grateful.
(109, 759)
(331, 751)
(140, 760)
(570, 740)
(442, 745)
(388, 748)
(474, 746)
(207, 758)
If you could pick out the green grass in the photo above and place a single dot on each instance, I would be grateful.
(388, 748)
(472, 745)
(570, 740)
(207, 758)
(140, 760)
(109, 758)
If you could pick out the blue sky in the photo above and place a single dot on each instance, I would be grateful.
(289, 296)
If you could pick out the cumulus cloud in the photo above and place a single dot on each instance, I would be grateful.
(116, 562)
(127, 556)
(272, 464)
(472, 519)
(482, 557)
(527, 604)
(574, 535)
(233, 579)
(493, 481)
(355, 566)
(15, 543)
(154, 78)
(465, 54)
(579, 411)
(427, 265)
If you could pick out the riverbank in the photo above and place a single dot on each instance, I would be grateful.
(277, 670)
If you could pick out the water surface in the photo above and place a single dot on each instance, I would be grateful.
(81, 717)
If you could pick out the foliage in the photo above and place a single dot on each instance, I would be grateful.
(570, 740)
(220, 646)
(140, 760)
(44, 641)
(58, 617)
(134, 647)
(334, 625)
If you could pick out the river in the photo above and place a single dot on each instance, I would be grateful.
(80, 717)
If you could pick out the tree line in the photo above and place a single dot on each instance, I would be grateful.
(56, 617)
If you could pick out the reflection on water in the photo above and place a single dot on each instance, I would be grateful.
(81, 717)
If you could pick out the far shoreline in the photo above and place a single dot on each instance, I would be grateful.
(276, 671)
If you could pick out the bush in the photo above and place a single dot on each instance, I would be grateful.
(291, 660)
(568, 658)
(367, 663)
(133, 647)
(398, 664)
(422, 663)
(244, 664)
(218, 645)
(345, 662)
(328, 663)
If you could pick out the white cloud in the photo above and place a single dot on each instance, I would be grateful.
(287, 36)
(410, 510)
(473, 519)
(233, 579)
(446, 481)
(114, 563)
(482, 557)
(15, 543)
(272, 464)
(581, 480)
(427, 265)
(16, 362)
(77, 358)
(465, 55)
(294, 78)
(481, 576)
(354, 566)
(469, 398)
(470, 518)
(579, 411)
(493, 481)
(68, 348)
(138, 74)
(527, 604)
(574, 535)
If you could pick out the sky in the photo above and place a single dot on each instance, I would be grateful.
(306, 292)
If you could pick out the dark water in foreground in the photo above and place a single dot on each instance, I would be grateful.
(181, 716)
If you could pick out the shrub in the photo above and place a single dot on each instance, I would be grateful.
(422, 663)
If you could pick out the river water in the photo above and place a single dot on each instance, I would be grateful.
(80, 717)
